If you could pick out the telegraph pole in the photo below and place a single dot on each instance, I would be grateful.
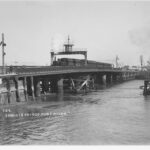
(3, 54)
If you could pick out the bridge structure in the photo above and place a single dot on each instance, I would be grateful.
(34, 82)
(25, 82)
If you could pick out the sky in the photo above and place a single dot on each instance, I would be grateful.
(104, 28)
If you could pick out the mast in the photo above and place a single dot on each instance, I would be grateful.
(68, 46)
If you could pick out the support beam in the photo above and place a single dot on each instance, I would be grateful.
(17, 89)
(8, 90)
(60, 85)
(145, 91)
(32, 87)
(92, 83)
(84, 84)
(114, 78)
(72, 84)
(45, 85)
(104, 79)
(108, 79)
(120, 77)
(53, 85)
(37, 88)
(99, 80)
(25, 88)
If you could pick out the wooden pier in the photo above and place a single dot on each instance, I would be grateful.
(26, 83)
(32, 82)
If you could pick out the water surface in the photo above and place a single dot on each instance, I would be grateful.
(116, 115)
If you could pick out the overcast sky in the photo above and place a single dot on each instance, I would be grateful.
(105, 29)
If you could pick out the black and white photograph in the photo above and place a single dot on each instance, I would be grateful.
(74, 72)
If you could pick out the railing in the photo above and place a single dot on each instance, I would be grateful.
(44, 69)
(58, 68)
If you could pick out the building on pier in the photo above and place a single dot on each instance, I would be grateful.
(68, 50)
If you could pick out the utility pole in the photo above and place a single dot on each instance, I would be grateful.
(3, 54)
(68, 39)
(117, 58)
(141, 61)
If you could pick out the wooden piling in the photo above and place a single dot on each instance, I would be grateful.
(25, 88)
(108, 79)
(32, 87)
(17, 89)
(145, 91)
(60, 85)
(37, 88)
(8, 90)
(114, 78)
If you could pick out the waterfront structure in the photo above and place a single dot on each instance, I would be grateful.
(35, 81)
(69, 51)
(28, 83)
